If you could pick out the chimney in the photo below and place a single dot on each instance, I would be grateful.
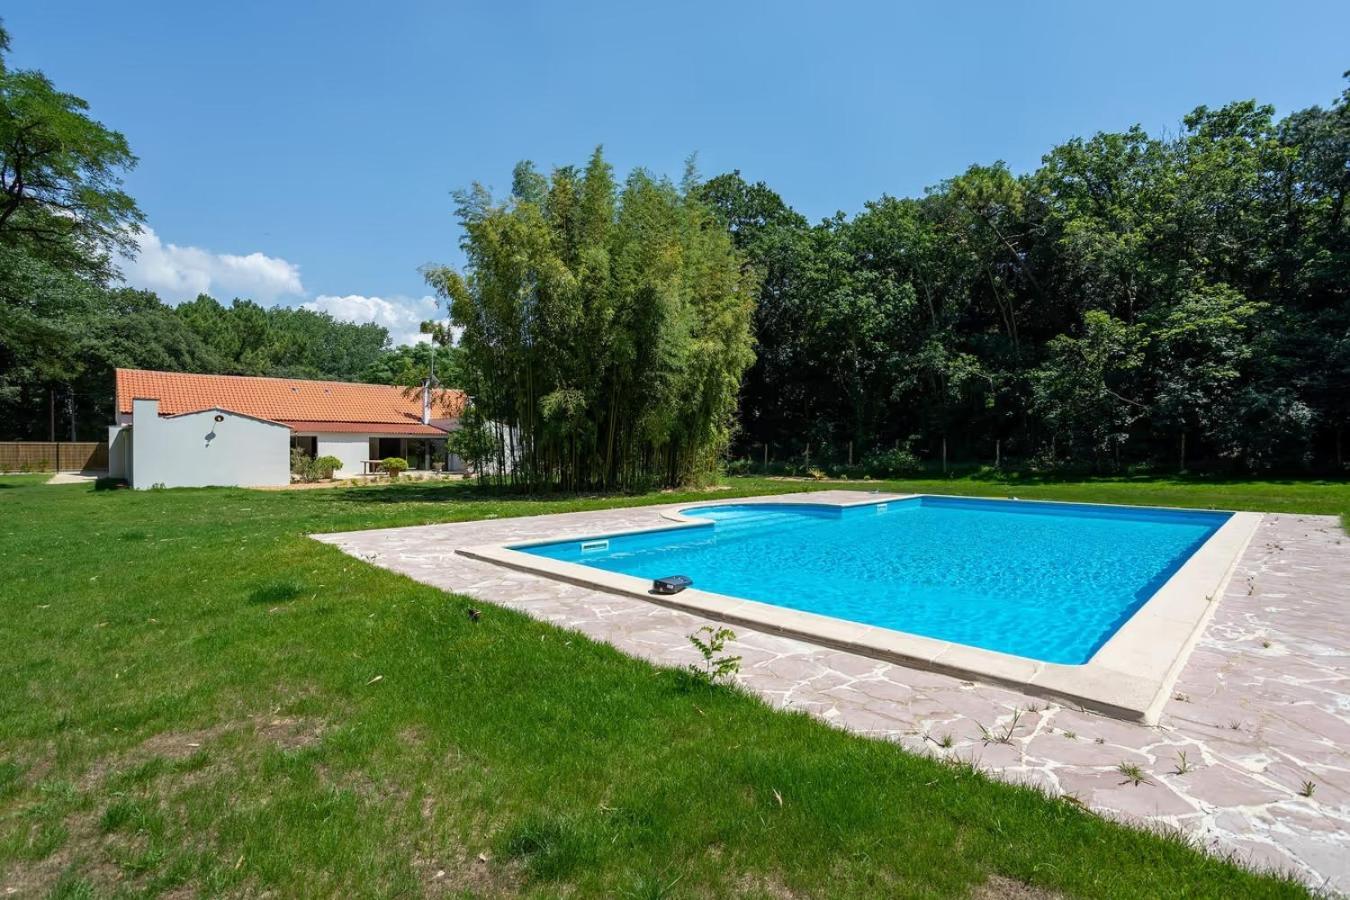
(426, 402)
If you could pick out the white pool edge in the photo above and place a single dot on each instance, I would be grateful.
(1129, 677)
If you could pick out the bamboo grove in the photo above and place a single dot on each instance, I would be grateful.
(605, 330)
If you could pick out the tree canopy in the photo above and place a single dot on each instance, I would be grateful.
(1179, 302)
(61, 197)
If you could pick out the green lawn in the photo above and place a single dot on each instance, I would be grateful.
(198, 698)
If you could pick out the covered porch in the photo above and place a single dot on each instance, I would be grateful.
(421, 453)
(361, 454)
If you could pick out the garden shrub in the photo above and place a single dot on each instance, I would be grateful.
(323, 468)
(300, 461)
(394, 466)
(894, 463)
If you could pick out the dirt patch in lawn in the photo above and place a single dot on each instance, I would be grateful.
(997, 887)
(288, 732)
(457, 872)
(764, 886)
(176, 745)
(285, 732)
(80, 854)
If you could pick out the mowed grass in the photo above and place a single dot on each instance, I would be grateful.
(198, 698)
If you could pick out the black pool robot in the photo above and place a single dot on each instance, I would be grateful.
(671, 584)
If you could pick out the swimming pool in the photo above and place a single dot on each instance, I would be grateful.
(1098, 605)
(1047, 581)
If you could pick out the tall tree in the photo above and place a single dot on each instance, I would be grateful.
(61, 196)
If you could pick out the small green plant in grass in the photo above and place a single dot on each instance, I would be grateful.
(394, 466)
(1132, 774)
(119, 814)
(716, 665)
(549, 846)
(651, 887)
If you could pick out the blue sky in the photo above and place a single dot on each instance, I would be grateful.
(305, 152)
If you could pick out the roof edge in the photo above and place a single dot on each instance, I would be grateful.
(223, 409)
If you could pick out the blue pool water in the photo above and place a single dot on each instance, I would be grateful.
(1049, 581)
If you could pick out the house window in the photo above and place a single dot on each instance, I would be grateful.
(307, 443)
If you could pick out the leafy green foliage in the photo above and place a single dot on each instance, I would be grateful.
(606, 329)
(300, 461)
(60, 177)
(393, 466)
(324, 466)
(1178, 302)
(717, 666)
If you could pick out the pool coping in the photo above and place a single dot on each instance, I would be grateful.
(1130, 677)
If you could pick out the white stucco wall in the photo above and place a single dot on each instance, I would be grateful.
(352, 449)
(119, 451)
(194, 450)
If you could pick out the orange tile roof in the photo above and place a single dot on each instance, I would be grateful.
(365, 428)
(303, 405)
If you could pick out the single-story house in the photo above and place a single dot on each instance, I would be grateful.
(179, 430)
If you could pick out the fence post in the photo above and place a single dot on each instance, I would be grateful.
(850, 454)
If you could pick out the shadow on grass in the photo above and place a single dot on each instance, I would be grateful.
(274, 592)
(460, 492)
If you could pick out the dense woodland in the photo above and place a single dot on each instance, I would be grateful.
(1156, 302)
(1166, 302)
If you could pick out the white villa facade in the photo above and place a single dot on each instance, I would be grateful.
(183, 430)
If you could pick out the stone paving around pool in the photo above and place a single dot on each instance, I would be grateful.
(1251, 756)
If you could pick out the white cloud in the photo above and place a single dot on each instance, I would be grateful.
(181, 273)
(403, 316)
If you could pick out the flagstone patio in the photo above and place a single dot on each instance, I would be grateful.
(1250, 756)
